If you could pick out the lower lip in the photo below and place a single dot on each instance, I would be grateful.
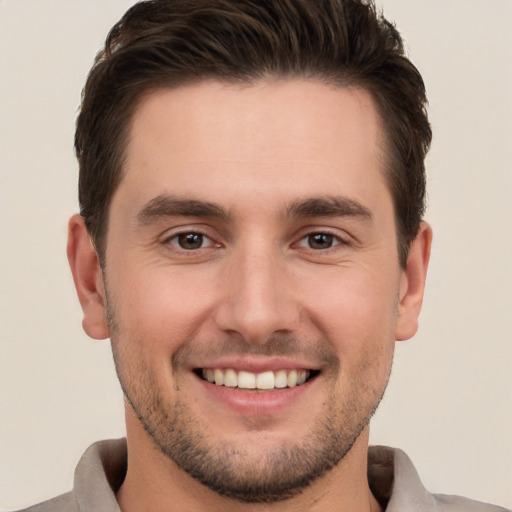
(255, 401)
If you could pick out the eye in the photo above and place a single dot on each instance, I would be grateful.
(319, 241)
(191, 241)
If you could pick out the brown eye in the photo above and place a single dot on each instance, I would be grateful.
(189, 241)
(320, 241)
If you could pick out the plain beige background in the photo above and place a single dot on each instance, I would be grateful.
(449, 404)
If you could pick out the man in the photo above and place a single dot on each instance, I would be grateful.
(251, 240)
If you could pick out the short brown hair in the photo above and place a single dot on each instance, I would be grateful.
(166, 43)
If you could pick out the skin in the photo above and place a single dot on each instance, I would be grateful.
(258, 292)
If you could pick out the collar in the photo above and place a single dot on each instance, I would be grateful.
(392, 477)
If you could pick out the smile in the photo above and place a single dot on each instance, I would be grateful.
(247, 380)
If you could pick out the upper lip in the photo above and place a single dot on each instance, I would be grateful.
(257, 364)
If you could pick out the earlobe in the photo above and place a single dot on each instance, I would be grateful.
(412, 285)
(88, 278)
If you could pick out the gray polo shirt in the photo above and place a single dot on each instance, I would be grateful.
(392, 477)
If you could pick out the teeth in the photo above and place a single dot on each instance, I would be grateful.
(265, 380)
(292, 379)
(248, 380)
(280, 379)
(219, 377)
(230, 379)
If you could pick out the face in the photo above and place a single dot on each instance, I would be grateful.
(252, 280)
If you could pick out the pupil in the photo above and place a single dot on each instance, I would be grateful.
(320, 241)
(190, 241)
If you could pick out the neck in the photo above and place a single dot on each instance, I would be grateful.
(154, 482)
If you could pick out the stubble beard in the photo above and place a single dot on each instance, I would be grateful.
(228, 469)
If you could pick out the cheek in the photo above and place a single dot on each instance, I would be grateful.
(359, 321)
(160, 306)
(356, 309)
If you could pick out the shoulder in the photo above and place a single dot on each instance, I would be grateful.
(97, 477)
(457, 503)
(63, 503)
(395, 482)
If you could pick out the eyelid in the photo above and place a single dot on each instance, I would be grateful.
(340, 239)
(207, 241)
(172, 234)
(304, 241)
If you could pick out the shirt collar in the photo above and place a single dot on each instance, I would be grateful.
(395, 482)
(392, 477)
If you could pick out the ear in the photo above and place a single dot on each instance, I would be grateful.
(88, 278)
(412, 284)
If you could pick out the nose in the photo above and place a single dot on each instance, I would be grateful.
(257, 300)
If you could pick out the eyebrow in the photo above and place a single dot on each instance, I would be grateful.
(329, 206)
(170, 206)
(326, 206)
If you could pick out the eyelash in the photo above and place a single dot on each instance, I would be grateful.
(336, 241)
(304, 242)
(175, 240)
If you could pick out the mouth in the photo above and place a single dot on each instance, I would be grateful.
(249, 381)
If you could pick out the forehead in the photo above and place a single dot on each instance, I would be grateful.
(273, 138)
